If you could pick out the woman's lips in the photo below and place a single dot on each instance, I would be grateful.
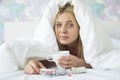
(64, 37)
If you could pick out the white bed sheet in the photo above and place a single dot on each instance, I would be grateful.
(91, 74)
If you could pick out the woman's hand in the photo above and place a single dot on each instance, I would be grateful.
(72, 61)
(33, 67)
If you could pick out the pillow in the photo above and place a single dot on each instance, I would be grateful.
(7, 59)
(15, 54)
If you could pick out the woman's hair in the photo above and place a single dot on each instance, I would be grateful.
(68, 8)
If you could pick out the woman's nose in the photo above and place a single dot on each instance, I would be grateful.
(63, 29)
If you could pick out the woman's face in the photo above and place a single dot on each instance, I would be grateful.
(66, 29)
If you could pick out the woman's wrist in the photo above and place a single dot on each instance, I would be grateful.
(83, 63)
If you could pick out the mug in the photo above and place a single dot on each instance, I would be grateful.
(56, 56)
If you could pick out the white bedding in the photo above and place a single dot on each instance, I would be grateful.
(91, 74)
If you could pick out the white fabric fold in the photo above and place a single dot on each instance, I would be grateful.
(14, 55)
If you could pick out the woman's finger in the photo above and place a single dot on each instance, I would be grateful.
(36, 68)
(41, 65)
(29, 70)
(66, 66)
(65, 58)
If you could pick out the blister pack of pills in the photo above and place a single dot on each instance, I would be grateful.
(52, 72)
(78, 70)
(59, 72)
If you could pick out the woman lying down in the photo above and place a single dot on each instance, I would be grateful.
(73, 30)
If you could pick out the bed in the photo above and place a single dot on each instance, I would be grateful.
(91, 74)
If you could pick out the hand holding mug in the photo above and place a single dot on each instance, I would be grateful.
(56, 56)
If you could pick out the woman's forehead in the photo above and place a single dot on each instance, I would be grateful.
(65, 17)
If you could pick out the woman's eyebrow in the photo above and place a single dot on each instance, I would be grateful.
(66, 21)
(58, 22)
(69, 21)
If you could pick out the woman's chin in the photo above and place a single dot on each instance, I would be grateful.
(64, 42)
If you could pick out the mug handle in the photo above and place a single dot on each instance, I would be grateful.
(49, 58)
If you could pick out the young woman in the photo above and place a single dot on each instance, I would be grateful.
(66, 30)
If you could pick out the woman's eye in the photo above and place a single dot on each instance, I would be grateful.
(59, 25)
(70, 25)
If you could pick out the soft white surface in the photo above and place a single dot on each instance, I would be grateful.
(91, 74)
(112, 27)
(14, 55)
(7, 60)
(19, 30)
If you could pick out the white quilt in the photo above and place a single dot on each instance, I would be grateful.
(98, 48)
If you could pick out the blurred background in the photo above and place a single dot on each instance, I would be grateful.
(19, 18)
